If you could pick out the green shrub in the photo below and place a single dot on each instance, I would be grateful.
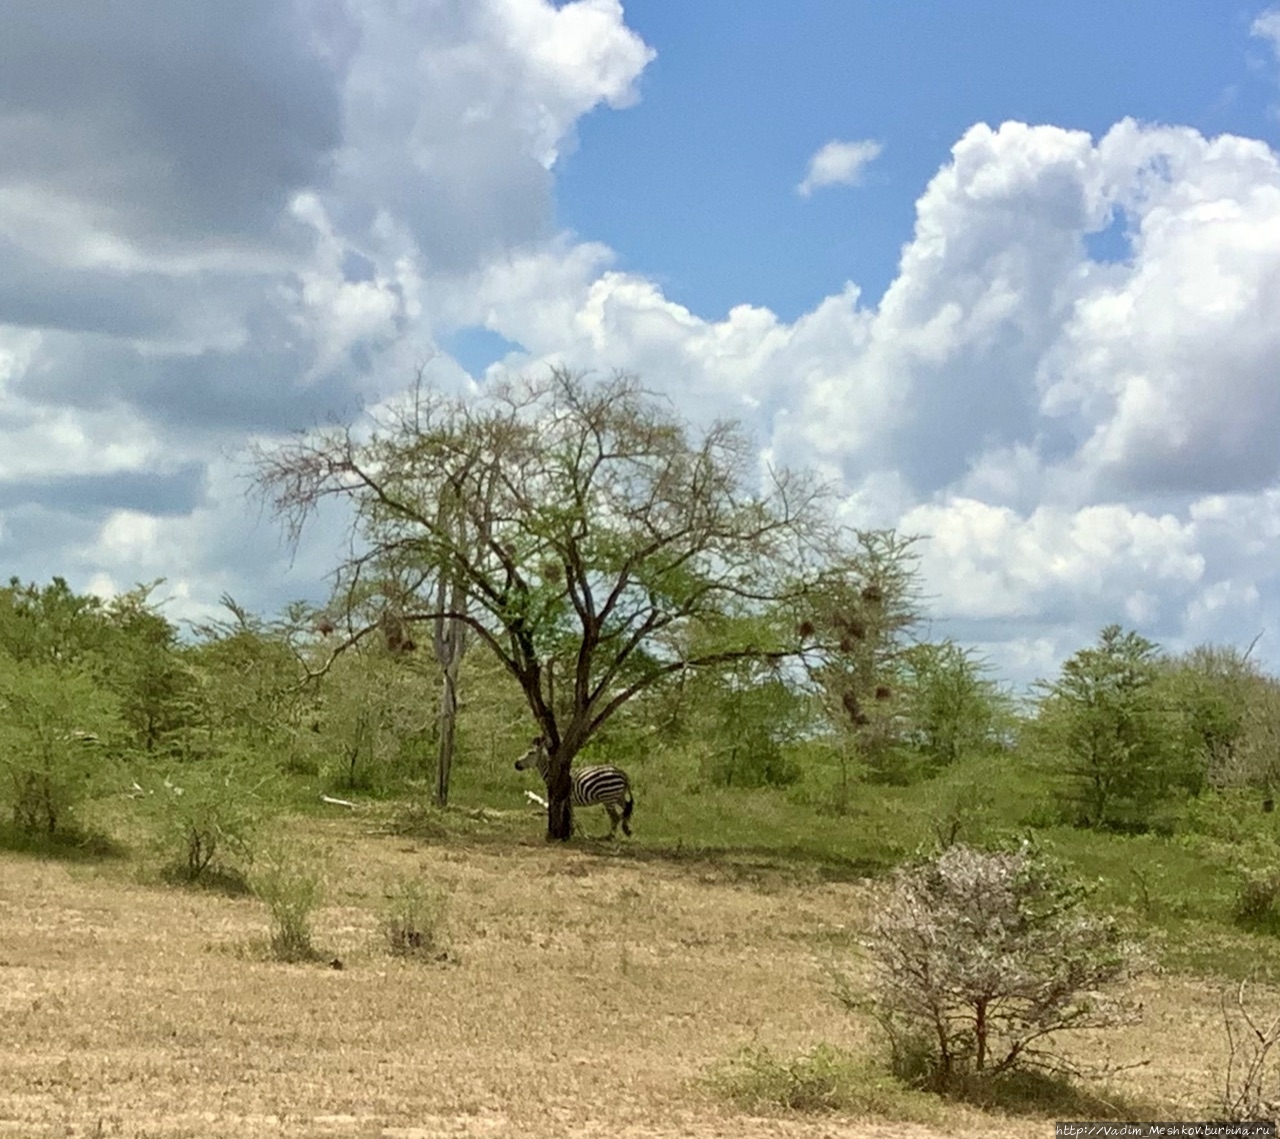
(1255, 904)
(206, 815)
(761, 764)
(55, 727)
(292, 888)
(961, 813)
(1257, 867)
(1104, 730)
(822, 1079)
(414, 920)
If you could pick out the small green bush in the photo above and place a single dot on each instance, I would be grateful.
(961, 813)
(822, 1079)
(292, 888)
(206, 815)
(54, 724)
(762, 765)
(1257, 866)
(414, 920)
(1255, 903)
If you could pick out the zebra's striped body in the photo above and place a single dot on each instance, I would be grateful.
(601, 784)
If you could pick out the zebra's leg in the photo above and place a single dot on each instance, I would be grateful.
(613, 819)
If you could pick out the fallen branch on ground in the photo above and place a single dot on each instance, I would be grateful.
(337, 802)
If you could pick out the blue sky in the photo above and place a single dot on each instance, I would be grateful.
(1006, 273)
(695, 185)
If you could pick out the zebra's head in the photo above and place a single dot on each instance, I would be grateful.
(535, 757)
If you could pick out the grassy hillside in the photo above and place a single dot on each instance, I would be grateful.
(585, 991)
(679, 983)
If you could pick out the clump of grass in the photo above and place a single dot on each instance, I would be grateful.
(292, 888)
(414, 920)
(1254, 908)
(821, 1080)
(828, 1079)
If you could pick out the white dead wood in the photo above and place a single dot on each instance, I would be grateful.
(534, 797)
(337, 802)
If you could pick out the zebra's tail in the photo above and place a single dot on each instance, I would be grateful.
(628, 805)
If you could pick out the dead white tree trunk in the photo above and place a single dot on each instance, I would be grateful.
(450, 642)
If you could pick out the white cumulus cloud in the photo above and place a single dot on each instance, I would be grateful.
(839, 164)
(1054, 424)
(1267, 27)
(1082, 439)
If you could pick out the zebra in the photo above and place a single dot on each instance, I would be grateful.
(600, 783)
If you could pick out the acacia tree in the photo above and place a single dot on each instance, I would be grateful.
(1215, 694)
(856, 624)
(954, 707)
(587, 534)
(1103, 727)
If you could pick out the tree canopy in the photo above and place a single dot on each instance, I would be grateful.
(590, 539)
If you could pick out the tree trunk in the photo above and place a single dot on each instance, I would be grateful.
(559, 804)
(449, 640)
(448, 729)
(980, 1035)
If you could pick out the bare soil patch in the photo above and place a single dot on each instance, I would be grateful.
(587, 996)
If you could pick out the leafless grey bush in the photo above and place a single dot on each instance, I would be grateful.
(1251, 1088)
(979, 958)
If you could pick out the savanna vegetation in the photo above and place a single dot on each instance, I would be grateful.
(866, 879)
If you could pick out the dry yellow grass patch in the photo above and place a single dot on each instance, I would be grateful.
(588, 997)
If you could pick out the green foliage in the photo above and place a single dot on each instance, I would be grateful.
(986, 955)
(291, 884)
(1254, 761)
(820, 1080)
(963, 812)
(1105, 731)
(160, 697)
(127, 648)
(857, 620)
(206, 815)
(1255, 906)
(414, 920)
(56, 723)
(1209, 691)
(1228, 818)
(1230, 831)
(746, 717)
(249, 677)
(952, 708)
(372, 725)
(53, 626)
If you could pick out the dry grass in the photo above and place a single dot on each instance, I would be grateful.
(583, 996)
